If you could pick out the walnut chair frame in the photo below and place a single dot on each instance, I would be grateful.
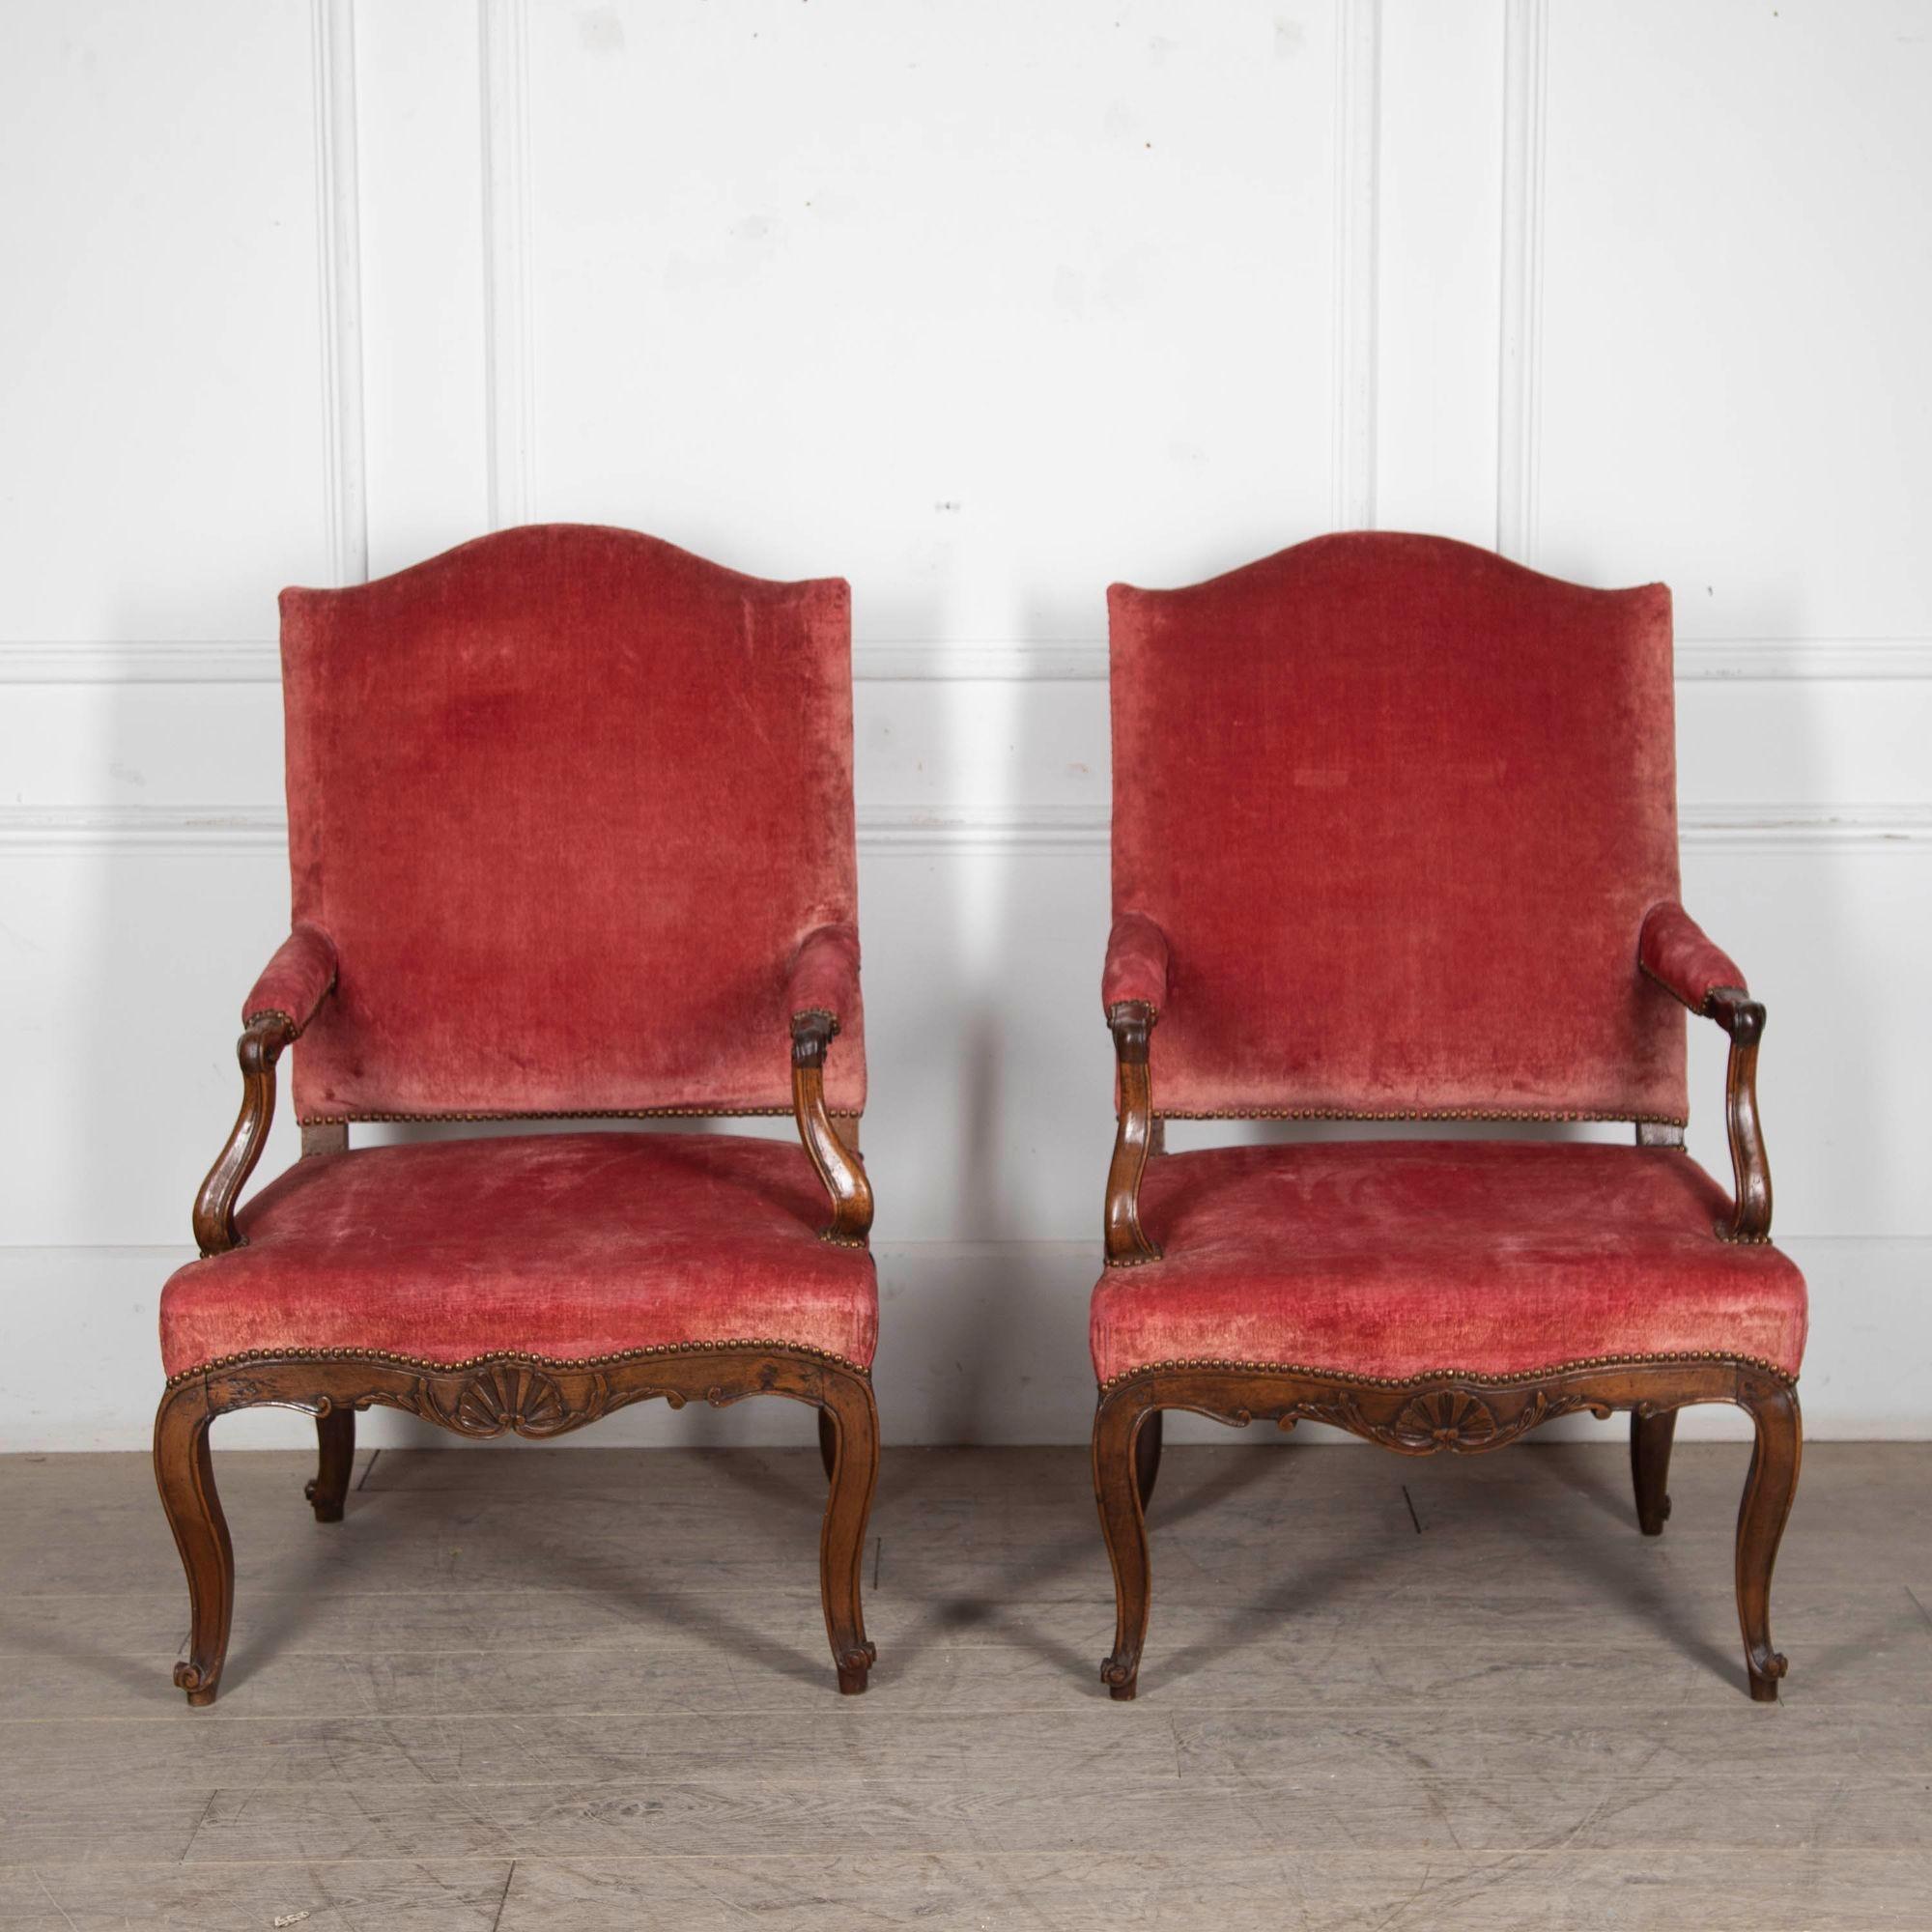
(1465, 1414)
(536, 1397)
(1395, 838)
(547, 667)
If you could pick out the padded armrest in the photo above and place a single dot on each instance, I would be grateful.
(296, 982)
(284, 999)
(824, 974)
(1136, 968)
(1674, 952)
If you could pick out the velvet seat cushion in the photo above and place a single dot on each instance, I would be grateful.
(563, 1245)
(1397, 1259)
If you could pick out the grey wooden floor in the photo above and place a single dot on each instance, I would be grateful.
(580, 1689)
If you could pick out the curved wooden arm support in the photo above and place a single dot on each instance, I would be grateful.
(1132, 1023)
(841, 1170)
(259, 1048)
(1743, 1018)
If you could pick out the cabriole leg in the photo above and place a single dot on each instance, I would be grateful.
(1650, 1467)
(186, 1477)
(329, 1488)
(1117, 1427)
(828, 1444)
(1773, 1480)
(1147, 1458)
(850, 1420)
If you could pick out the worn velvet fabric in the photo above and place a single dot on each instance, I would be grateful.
(566, 800)
(1397, 1257)
(824, 976)
(1675, 953)
(296, 980)
(1136, 966)
(563, 1245)
(1399, 806)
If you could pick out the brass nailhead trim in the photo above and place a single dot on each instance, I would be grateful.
(295, 1026)
(1702, 1009)
(1410, 1114)
(1656, 979)
(1432, 1376)
(388, 1358)
(565, 1113)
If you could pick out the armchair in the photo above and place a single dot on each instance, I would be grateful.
(571, 833)
(1395, 839)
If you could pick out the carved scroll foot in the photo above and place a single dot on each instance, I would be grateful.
(185, 1474)
(329, 1488)
(1118, 1428)
(1650, 1467)
(850, 1419)
(1769, 1489)
(855, 1670)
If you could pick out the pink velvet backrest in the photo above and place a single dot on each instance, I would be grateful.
(567, 799)
(1399, 807)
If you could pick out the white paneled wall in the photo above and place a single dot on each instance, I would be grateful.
(980, 307)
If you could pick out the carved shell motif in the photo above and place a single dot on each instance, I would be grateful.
(503, 1397)
(1439, 1418)
(1445, 1419)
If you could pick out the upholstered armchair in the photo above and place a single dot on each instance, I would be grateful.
(571, 833)
(1395, 838)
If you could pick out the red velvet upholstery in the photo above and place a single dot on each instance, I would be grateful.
(564, 1246)
(1136, 963)
(1395, 833)
(1398, 1258)
(566, 800)
(824, 976)
(571, 831)
(296, 980)
(1399, 808)
(1674, 952)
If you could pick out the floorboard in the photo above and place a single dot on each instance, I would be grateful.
(585, 1688)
